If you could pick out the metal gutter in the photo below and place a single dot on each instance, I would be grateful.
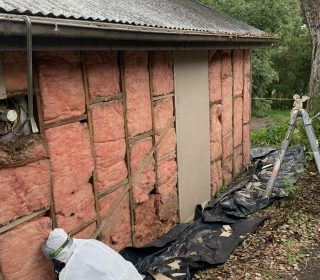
(53, 43)
(12, 25)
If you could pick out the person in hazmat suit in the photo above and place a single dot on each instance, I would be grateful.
(86, 259)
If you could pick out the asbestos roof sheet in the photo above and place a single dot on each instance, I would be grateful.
(178, 15)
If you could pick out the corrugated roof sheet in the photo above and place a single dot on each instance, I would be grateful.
(172, 14)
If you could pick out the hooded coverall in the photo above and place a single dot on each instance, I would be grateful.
(92, 260)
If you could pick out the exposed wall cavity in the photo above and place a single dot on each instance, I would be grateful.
(98, 156)
(101, 116)
(230, 93)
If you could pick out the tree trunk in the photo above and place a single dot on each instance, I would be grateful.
(311, 9)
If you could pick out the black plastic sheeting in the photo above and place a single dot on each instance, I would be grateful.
(246, 195)
(222, 225)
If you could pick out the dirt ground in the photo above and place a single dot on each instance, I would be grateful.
(286, 246)
(258, 123)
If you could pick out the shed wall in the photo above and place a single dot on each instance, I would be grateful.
(101, 114)
(230, 97)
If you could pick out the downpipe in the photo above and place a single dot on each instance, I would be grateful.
(33, 124)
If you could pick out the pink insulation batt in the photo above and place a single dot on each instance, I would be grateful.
(161, 64)
(227, 100)
(216, 131)
(117, 232)
(247, 87)
(72, 167)
(61, 85)
(145, 182)
(20, 253)
(136, 75)
(168, 204)
(216, 180)
(166, 170)
(103, 73)
(147, 224)
(87, 232)
(215, 65)
(23, 190)
(163, 112)
(168, 197)
(238, 72)
(237, 122)
(237, 160)
(109, 143)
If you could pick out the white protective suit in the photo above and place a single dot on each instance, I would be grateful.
(89, 259)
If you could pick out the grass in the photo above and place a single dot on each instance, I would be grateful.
(279, 115)
(275, 132)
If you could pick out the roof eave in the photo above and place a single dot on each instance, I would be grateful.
(13, 26)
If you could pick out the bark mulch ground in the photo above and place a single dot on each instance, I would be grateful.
(286, 246)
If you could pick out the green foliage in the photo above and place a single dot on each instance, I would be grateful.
(294, 257)
(222, 190)
(261, 107)
(274, 134)
(283, 70)
(289, 187)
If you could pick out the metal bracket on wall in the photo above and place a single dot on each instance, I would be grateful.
(3, 92)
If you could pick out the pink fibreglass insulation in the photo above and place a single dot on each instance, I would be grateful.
(145, 182)
(166, 170)
(163, 112)
(227, 97)
(137, 88)
(237, 121)
(161, 65)
(229, 88)
(103, 73)
(61, 85)
(24, 189)
(147, 222)
(109, 143)
(238, 72)
(246, 144)
(168, 204)
(227, 145)
(74, 153)
(216, 131)
(87, 232)
(227, 170)
(247, 87)
(117, 232)
(216, 180)
(168, 144)
(72, 166)
(20, 253)
(215, 63)
(237, 160)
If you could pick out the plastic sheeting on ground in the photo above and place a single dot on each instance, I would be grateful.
(222, 225)
(246, 195)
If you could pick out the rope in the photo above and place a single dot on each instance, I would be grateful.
(272, 98)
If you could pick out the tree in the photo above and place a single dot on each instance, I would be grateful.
(283, 70)
(311, 9)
